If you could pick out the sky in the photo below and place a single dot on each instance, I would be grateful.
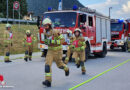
(120, 8)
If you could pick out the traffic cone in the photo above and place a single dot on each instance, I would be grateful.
(2, 82)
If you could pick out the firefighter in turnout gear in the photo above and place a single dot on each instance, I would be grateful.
(8, 35)
(54, 40)
(28, 42)
(128, 41)
(79, 50)
(69, 49)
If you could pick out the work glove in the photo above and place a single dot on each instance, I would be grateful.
(72, 46)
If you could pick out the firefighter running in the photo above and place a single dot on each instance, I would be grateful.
(28, 42)
(128, 41)
(79, 50)
(69, 49)
(8, 35)
(54, 40)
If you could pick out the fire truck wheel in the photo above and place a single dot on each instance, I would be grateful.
(103, 53)
(45, 52)
(87, 52)
(111, 47)
(125, 47)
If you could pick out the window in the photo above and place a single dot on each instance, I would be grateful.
(90, 21)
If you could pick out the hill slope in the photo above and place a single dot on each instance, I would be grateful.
(40, 6)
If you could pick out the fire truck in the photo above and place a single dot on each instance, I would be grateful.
(119, 34)
(95, 29)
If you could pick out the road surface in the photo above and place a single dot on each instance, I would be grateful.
(29, 75)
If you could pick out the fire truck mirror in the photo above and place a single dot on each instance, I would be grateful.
(38, 22)
(83, 18)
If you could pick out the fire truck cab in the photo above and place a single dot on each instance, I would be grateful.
(119, 34)
(95, 29)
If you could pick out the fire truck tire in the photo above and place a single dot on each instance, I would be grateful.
(45, 52)
(111, 47)
(103, 53)
(125, 47)
(87, 52)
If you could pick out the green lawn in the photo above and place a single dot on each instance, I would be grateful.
(18, 37)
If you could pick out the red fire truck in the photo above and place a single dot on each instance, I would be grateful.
(95, 29)
(119, 33)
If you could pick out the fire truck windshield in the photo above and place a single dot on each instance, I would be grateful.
(62, 19)
(116, 27)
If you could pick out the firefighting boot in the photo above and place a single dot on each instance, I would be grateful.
(26, 56)
(26, 59)
(77, 62)
(83, 70)
(47, 83)
(6, 58)
(42, 54)
(30, 56)
(67, 71)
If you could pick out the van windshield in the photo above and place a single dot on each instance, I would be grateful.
(62, 19)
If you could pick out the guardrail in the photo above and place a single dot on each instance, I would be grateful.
(4, 20)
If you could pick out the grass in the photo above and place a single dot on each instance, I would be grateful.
(18, 36)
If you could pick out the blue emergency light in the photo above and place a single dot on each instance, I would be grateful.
(75, 7)
(120, 20)
(49, 9)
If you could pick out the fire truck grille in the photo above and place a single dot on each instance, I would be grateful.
(115, 36)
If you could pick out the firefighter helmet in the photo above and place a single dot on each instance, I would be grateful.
(77, 29)
(69, 31)
(28, 32)
(47, 21)
(8, 25)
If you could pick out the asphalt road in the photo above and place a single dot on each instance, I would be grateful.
(29, 75)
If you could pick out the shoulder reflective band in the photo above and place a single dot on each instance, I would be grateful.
(47, 74)
(99, 75)
(58, 41)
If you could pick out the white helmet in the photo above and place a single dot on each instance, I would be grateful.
(47, 21)
(77, 29)
(8, 25)
(69, 31)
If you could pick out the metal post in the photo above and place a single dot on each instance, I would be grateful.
(13, 15)
(19, 16)
(110, 12)
(7, 11)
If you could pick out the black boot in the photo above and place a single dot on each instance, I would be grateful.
(78, 65)
(26, 59)
(47, 83)
(83, 73)
(30, 56)
(8, 61)
(67, 73)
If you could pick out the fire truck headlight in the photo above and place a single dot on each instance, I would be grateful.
(121, 42)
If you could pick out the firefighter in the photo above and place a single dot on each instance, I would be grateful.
(128, 41)
(28, 42)
(69, 49)
(54, 41)
(8, 35)
(79, 50)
